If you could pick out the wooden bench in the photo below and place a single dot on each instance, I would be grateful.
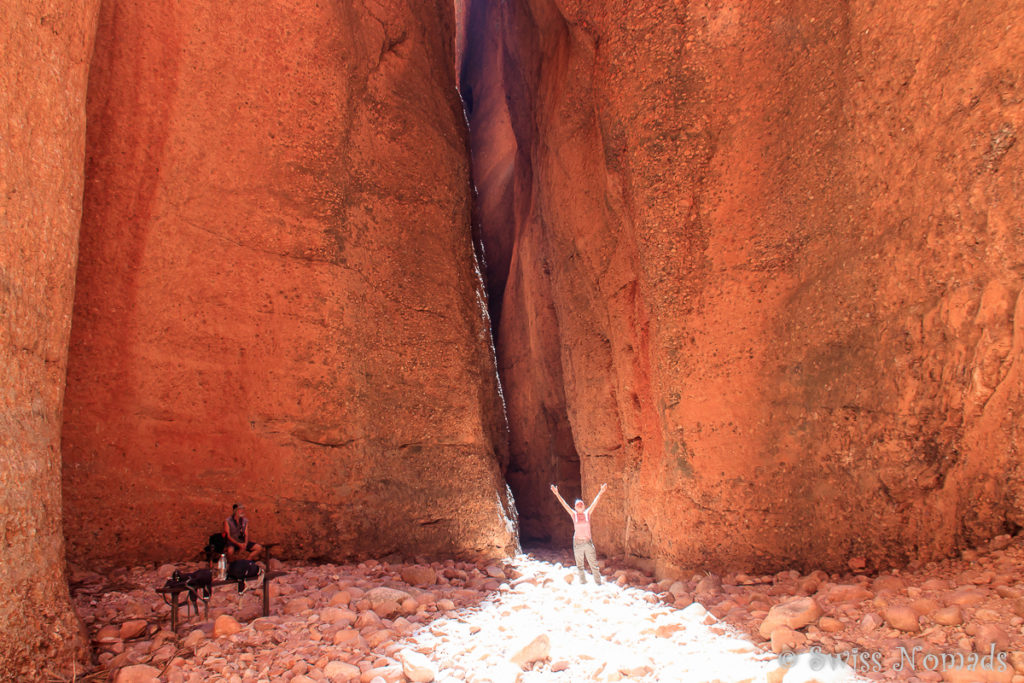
(268, 576)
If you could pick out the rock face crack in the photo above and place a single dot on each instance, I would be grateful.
(326, 444)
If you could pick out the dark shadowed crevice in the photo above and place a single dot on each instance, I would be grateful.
(512, 247)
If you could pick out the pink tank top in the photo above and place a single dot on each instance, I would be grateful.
(581, 522)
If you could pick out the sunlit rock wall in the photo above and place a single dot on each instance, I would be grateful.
(45, 47)
(771, 254)
(278, 301)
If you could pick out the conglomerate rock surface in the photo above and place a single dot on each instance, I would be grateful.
(277, 298)
(42, 140)
(763, 261)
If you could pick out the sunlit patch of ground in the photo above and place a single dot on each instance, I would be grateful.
(602, 633)
(467, 621)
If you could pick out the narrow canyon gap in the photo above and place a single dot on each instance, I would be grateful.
(277, 299)
(517, 259)
(758, 265)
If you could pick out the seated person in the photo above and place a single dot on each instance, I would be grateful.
(236, 536)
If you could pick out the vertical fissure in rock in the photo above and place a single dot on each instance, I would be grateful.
(511, 245)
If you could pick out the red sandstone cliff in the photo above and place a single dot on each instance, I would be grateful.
(45, 47)
(771, 257)
(277, 300)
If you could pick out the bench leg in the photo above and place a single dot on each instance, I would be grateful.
(266, 595)
(266, 583)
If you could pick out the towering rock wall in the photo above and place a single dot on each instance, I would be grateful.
(42, 125)
(277, 294)
(769, 258)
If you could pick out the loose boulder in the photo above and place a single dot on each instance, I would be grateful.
(795, 614)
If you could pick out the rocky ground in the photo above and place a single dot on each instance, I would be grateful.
(529, 619)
